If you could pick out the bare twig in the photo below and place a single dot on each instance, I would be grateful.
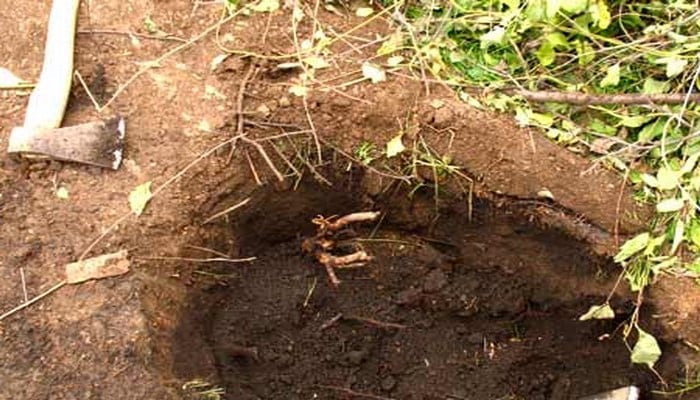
(265, 157)
(354, 393)
(251, 166)
(377, 323)
(331, 322)
(130, 34)
(24, 284)
(87, 90)
(226, 211)
(33, 300)
(199, 260)
(208, 250)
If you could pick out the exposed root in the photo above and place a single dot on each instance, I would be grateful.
(324, 242)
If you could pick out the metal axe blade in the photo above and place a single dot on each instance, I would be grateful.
(98, 143)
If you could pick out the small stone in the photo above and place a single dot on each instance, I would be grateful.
(263, 110)
(388, 383)
(355, 357)
(284, 101)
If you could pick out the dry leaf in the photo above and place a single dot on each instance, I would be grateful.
(99, 267)
(266, 6)
(394, 61)
(395, 146)
(364, 12)
(216, 61)
(299, 90)
(316, 62)
(373, 72)
(139, 197)
(62, 193)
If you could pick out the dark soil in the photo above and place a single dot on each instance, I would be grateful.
(470, 310)
(143, 335)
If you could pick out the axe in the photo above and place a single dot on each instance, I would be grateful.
(98, 143)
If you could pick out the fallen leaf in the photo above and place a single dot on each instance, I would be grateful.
(99, 267)
(395, 146)
(139, 197)
(299, 90)
(394, 61)
(316, 62)
(266, 6)
(364, 12)
(373, 72)
(669, 205)
(62, 193)
(216, 61)
(646, 350)
(437, 103)
(603, 311)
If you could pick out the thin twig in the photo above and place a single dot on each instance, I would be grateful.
(252, 168)
(87, 90)
(377, 323)
(199, 260)
(331, 322)
(127, 33)
(208, 250)
(265, 157)
(33, 300)
(354, 393)
(226, 211)
(24, 284)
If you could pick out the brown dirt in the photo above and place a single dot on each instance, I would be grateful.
(112, 338)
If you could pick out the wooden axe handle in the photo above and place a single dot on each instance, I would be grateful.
(47, 103)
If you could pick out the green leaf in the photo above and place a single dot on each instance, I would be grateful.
(600, 14)
(395, 146)
(694, 232)
(652, 130)
(585, 52)
(668, 178)
(652, 86)
(574, 6)
(650, 180)
(612, 77)
(632, 247)
(646, 350)
(552, 8)
(690, 163)
(496, 35)
(634, 121)
(545, 120)
(674, 65)
(677, 236)
(669, 205)
(545, 54)
(557, 40)
(603, 311)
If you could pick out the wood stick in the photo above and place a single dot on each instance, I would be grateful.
(586, 99)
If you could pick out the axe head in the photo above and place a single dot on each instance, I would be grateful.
(99, 143)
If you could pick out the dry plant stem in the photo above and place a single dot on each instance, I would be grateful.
(199, 260)
(127, 33)
(330, 322)
(377, 323)
(251, 166)
(265, 157)
(33, 300)
(226, 211)
(353, 393)
(586, 99)
(87, 90)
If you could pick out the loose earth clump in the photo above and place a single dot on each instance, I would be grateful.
(452, 305)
